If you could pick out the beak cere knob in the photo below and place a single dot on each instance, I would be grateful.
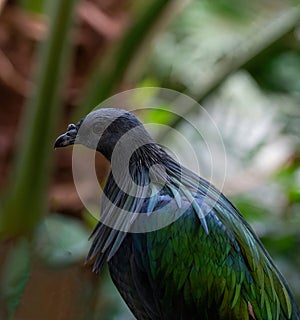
(67, 138)
(71, 127)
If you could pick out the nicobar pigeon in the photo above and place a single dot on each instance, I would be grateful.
(176, 247)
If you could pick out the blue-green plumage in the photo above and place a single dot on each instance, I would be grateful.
(206, 264)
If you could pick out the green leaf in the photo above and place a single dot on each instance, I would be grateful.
(15, 275)
(61, 241)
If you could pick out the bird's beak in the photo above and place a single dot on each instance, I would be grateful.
(67, 138)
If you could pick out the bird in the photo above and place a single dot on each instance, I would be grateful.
(175, 246)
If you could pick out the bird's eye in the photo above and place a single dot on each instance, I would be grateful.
(97, 128)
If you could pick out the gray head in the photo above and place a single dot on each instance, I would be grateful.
(102, 129)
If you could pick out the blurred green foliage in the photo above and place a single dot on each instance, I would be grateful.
(25, 202)
(28, 185)
(112, 68)
(15, 275)
(34, 6)
(238, 58)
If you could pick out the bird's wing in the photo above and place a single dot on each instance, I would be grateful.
(271, 297)
(225, 272)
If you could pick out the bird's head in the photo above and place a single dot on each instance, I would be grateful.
(102, 129)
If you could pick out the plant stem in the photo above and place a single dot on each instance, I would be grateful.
(26, 198)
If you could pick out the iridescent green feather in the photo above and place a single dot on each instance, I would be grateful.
(225, 271)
